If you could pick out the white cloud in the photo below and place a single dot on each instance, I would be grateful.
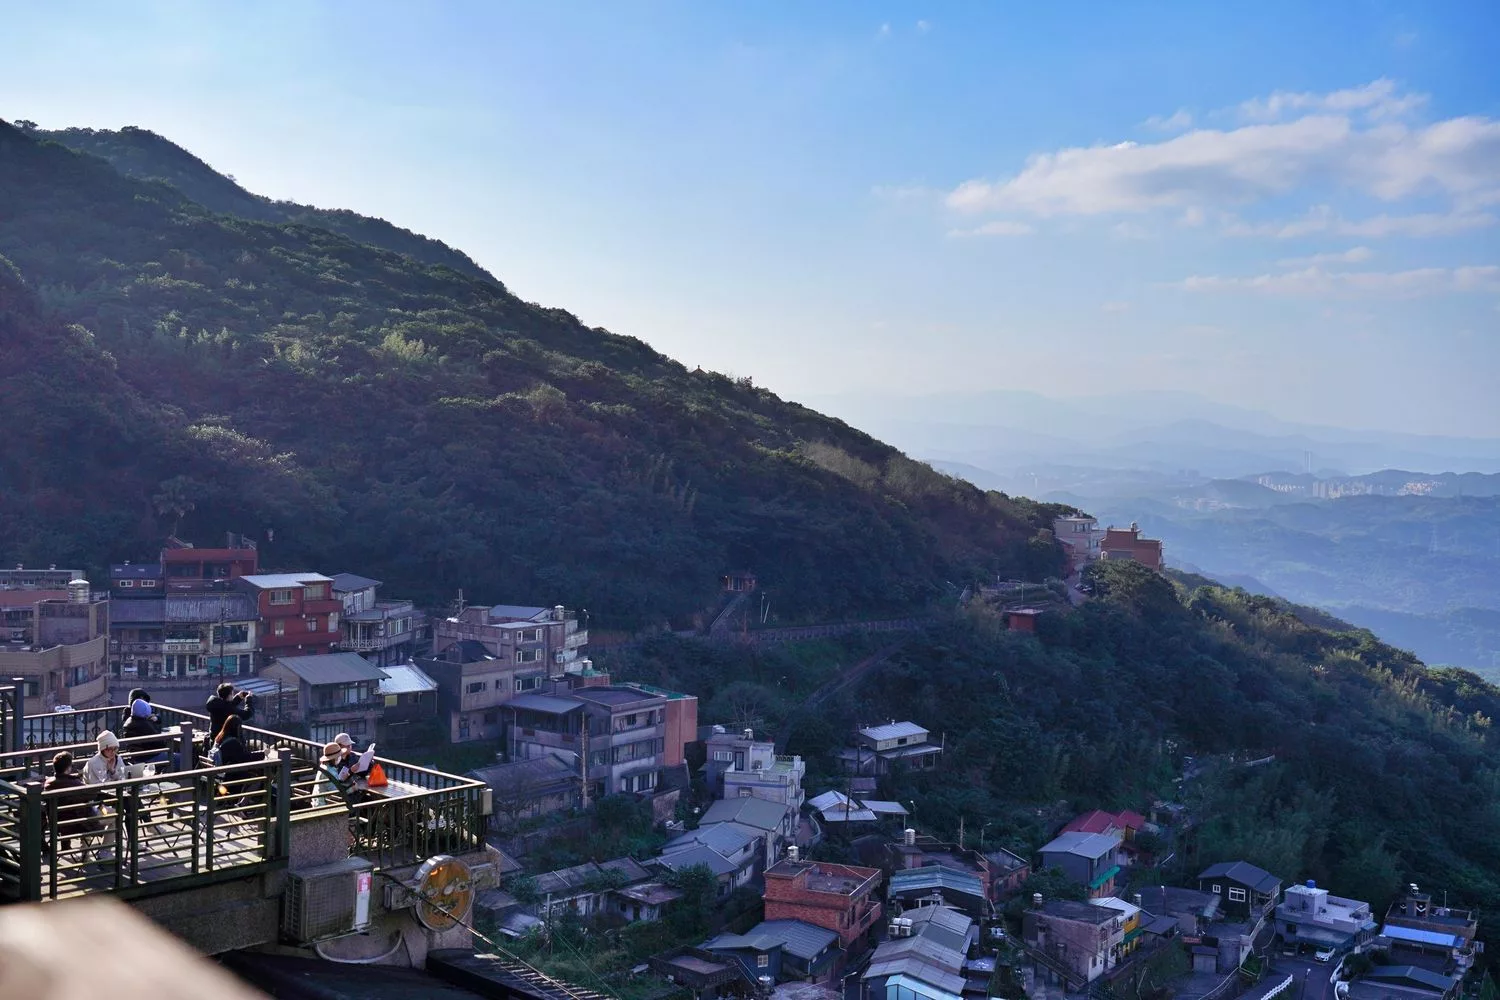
(1378, 99)
(1316, 281)
(999, 227)
(1354, 255)
(885, 30)
(1115, 307)
(1334, 145)
(923, 27)
(1323, 219)
(1177, 121)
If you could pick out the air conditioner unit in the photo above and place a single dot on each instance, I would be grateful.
(328, 901)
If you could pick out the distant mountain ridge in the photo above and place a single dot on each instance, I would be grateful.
(142, 154)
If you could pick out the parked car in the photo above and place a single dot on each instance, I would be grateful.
(1323, 954)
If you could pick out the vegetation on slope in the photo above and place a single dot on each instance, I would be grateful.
(1384, 772)
(357, 408)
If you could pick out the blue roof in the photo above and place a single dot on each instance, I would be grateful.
(936, 877)
(1416, 936)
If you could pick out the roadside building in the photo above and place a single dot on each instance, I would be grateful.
(922, 958)
(382, 631)
(1090, 859)
(1312, 917)
(840, 898)
(781, 951)
(537, 786)
(739, 765)
(1127, 543)
(878, 750)
(1079, 942)
(298, 615)
(66, 660)
(410, 701)
(334, 693)
(1440, 938)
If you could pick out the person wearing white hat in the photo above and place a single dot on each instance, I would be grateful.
(107, 765)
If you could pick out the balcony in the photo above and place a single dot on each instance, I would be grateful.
(577, 640)
(367, 645)
(182, 645)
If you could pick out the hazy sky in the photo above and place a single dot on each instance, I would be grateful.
(1285, 205)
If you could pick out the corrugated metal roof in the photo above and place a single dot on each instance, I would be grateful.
(760, 814)
(348, 582)
(697, 855)
(406, 678)
(892, 731)
(520, 611)
(1417, 936)
(935, 877)
(279, 581)
(1084, 845)
(1244, 873)
(331, 668)
(884, 808)
(551, 704)
(128, 612)
(207, 608)
(726, 838)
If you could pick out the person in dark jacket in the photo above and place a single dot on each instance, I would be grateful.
(224, 703)
(137, 694)
(75, 815)
(144, 722)
(229, 748)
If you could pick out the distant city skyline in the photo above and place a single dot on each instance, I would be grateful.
(1287, 207)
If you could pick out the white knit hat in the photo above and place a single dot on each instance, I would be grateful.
(108, 740)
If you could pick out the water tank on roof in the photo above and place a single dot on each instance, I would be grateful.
(78, 591)
(909, 837)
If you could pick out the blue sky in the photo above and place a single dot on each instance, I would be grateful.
(1283, 205)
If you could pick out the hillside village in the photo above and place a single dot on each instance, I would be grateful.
(740, 879)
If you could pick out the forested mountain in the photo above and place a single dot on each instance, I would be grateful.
(170, 368)
(1384, 772)
(139, 153)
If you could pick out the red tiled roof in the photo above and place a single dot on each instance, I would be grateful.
(1100, 821)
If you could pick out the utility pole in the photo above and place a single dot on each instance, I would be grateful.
(223, 627)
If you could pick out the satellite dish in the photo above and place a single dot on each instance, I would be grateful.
(444, 888)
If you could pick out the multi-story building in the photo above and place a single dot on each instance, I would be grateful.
(740, 765)
(1439, 938)
(188, 569)
(879, 750)
(21, 589)
(620, 731)
(924, 957)
(975, 881)
(1090, 859)
(516, 634)
(183, 636)
(1311, 916)
(298, 614)
(65, 658)
(330, 693)
(1127, 543)
(382, 631)
(840, 898)
(474, 684)
(1081, 536)
(1077, 942)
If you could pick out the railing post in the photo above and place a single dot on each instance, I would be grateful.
(187, 754)
(19, 683)
(283, 844)
(32, 826)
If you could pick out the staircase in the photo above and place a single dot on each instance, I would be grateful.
(724, 621)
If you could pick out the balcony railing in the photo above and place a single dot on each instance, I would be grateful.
(423, 812)
(377, 642)
(204, 824)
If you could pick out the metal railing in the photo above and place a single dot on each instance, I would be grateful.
(420, 813)
(142, 835)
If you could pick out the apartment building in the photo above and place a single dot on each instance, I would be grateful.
(64, 660)
(740, 765)
(1081, 537)
(620, 731)
(334, 693)
(382, 631)
(1311, 916)
(840, 898)
(523, 635)
(297, 613)
(1127, 543)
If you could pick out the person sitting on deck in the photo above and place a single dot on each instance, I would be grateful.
(347, 771)
(137, 694)
(75, 813)
(144, 722)
(229, 748)
(107, 765)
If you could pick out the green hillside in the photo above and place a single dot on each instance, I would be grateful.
(356, 407)
(1384, 772)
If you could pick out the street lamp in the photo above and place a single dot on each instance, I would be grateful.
(982, 828)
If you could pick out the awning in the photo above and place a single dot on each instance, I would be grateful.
(1104, 876)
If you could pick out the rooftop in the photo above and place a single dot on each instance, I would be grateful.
(345, 583)
(1085, 913)
(1244, 873)
(803, 940)
(536, 771)
(406, 678)
(696, 855)
(725, 838)
(516, 612)
(759, 814)
(547, 703)
(931, 877)
(893, 730)
(1413, 935)
(614, 695)
(823, 876)
(1084, 845)
(331, 668)
(1100, 821)
(280, 581)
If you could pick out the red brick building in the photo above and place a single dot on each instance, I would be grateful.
(1127, 543)
(839, 898)
(299, 614)
(191, 569)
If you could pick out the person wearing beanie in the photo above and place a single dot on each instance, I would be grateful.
(107, 765)
(136, 694)
(226, 701)
(144, 722)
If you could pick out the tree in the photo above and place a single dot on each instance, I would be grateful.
(177, 498)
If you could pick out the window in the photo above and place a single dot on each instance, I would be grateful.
(146, 583)
(312, 624)
(391, 700)
(127, 583)
(315, 591)
(762, 961)
(279, 628)
(723, 755)
(474, 687)
(1236, 895)
(463, 729)
(333, 621)
(744, 793)
(529, 635)
(1218, 889)
(528, 655)
(281, 596)
(528, 683)
(230, 634)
